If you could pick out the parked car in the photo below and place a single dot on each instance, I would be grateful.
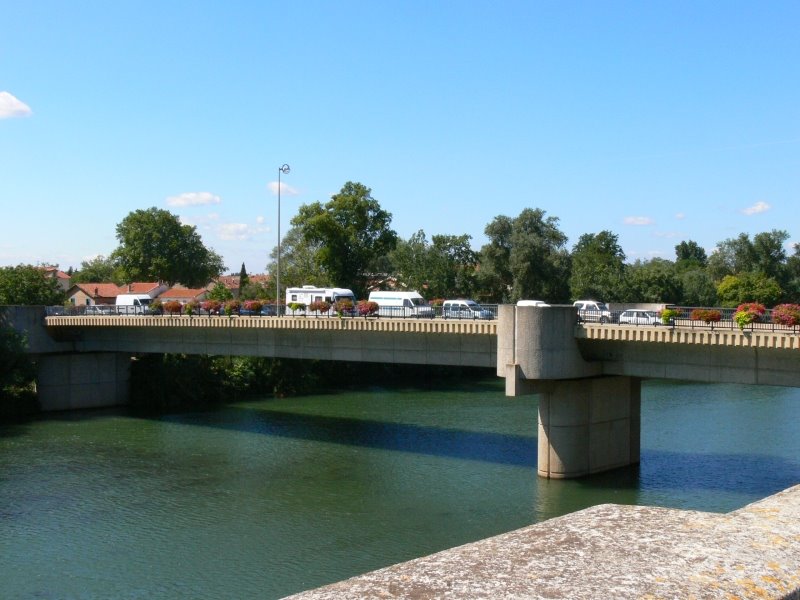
(465, 309)
(635, 316)
(592, 310)
(100, 309)
(540, 303)
(267, 310)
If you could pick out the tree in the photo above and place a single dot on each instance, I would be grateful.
(16, 368)
(654, 281)
(442, 268)
(698, 288)
(29, 285)
(155, 245)
(525, 258)
(734, 290)
(598, 267)
(244, 279)
(219, 293)
(770, 255)
(350, 233)
(299, 265)
(98, 270)
(494, 278)
(690, 255)
(731, 257)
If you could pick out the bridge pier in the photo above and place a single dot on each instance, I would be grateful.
(588, 426)
(86, 380)
(588, 422)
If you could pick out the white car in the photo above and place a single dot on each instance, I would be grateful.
(635, 316)
(592, 310)
(539, 303)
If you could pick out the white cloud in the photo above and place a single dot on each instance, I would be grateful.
(680, 216)
(260, 220)
(667, 234)
(193, 199)
(11, 107)
(638, 221)
(758, 207)
(285, 189)
(238, 231)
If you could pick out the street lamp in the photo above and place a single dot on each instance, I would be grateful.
(284, 168)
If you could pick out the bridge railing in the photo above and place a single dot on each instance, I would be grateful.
(685, 319)
(488, 312)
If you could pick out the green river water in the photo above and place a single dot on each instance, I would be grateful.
(265, 498)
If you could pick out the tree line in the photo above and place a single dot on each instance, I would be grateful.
(349, 242)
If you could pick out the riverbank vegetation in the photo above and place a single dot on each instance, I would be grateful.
(178, 381)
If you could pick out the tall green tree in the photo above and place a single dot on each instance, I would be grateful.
(598, 267)
(443, 268)
(526, 257)
(770, 254)
(28, 285)
(655, 280)
(731, 257)
(495, 279)
(351, 233)
(244, 278)
(100, 269)
(749, 287)
(155, 245)
(698, 288)
(690, 255)
(299, 264)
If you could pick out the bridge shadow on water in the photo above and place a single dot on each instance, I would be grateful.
(757, 474)
(399, 437)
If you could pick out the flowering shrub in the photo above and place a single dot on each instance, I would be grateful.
(787, 314)
(668, 315)
(366, 308)
(319, 306)
(190, 308)
(156, 308)
(706, 315)
(232, 307)
(253, 306)
(747, 313)
(173, 307)
(211, 307)
(295, 306)
(343, 307)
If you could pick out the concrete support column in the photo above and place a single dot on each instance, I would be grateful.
(588, 425)
(82, 380)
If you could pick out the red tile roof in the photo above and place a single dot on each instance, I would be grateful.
(181, 292)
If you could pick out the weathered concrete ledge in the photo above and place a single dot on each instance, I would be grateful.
(610, 551)
(783, 340)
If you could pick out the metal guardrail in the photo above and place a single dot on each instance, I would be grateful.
(488, 312)
(684, 320)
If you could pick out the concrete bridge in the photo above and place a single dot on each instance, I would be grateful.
(587, 376)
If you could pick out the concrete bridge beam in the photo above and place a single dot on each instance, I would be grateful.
(86, 380)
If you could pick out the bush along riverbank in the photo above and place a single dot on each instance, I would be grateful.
(177, 381)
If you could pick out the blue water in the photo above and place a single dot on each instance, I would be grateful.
(265, 498)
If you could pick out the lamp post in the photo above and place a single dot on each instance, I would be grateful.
(284, 168)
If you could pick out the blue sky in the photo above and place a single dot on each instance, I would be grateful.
(658, 121)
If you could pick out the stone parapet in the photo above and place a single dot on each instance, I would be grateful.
(609, 551)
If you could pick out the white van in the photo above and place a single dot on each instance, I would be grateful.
(133, 304)
(401, 304)
(311, 293)
(465, 309)
(539, 303)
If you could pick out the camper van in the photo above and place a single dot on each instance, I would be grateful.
(311, 293)
(401, 304)
(133, 304)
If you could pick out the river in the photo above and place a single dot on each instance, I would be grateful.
(264, 498)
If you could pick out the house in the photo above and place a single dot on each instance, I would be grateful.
(62, 278)
(88, 294)
(232, 282)
(183, 295)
